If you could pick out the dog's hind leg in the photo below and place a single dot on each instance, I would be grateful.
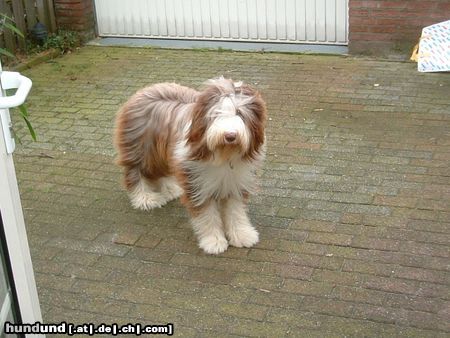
(145, 195)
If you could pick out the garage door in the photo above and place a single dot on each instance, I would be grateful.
(287, 21)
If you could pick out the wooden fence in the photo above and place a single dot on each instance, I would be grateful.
(26, 13)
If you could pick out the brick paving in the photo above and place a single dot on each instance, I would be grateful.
(353, 211)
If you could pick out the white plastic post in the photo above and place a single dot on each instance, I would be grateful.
(10, 80)
(11, 210)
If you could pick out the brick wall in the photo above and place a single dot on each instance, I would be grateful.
(391, 26)
(76, 15)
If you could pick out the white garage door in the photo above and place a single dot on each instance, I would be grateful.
(288, 21)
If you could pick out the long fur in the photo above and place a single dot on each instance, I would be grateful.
(202, 145)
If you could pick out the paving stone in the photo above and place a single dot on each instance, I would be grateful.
(360, 295)
(288, 270)
(369, 267)
(375, 243)
(73, 256)
(307, 288)
(118, 263)
(253, 328)
(261, 283)
(329, 238)
(312, 225)
(249, 311)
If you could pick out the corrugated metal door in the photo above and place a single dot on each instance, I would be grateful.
(292, 21)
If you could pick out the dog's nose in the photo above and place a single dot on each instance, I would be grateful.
(230, 136)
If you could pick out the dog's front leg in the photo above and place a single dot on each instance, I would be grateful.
(209, 229)
(238, 228)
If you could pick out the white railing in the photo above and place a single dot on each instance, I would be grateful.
(11, 208)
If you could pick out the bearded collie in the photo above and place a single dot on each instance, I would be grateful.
(202, 145)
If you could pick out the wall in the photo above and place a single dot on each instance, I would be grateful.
(378, 27)
(384, 27)
(76, 15)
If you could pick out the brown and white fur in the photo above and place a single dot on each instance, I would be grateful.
(204, 146)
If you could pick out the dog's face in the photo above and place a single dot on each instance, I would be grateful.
(229, 120)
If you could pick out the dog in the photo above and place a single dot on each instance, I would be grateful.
(203, 146)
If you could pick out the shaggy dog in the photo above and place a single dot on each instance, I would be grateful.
(204, 146)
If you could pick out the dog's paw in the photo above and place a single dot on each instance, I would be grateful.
(147, 201)
(213, 244)
(245, 236)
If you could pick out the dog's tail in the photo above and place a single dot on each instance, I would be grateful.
(143, 128)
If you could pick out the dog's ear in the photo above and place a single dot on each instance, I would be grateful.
(257, 106)
(199, 124)
(246, 90)
(204, 103)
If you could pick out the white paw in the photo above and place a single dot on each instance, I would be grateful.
(145, 198)
(147, 201)
(245, 236)
(213, 244)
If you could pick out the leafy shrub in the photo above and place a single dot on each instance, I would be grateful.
(64, 40)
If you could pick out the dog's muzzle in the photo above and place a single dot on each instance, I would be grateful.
(230, 137)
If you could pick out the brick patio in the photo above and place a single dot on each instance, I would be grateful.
(353, 211)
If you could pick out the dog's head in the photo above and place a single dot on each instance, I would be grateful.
(228, 120)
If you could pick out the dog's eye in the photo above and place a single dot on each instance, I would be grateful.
(238, 112)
